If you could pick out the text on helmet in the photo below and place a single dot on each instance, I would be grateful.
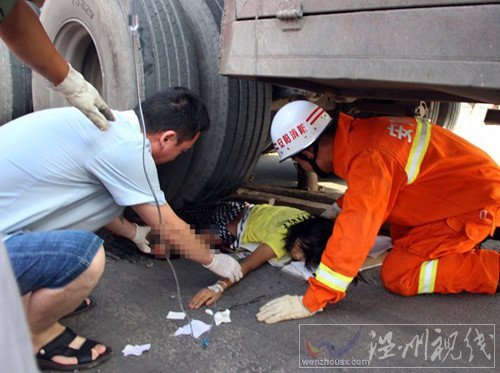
(299, 130)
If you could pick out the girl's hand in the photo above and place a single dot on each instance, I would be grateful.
(205, 297)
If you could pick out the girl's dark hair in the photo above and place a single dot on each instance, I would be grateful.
(313, 234)
(177, 109)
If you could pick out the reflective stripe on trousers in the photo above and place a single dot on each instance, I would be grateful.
(427, 278)
(332, 279)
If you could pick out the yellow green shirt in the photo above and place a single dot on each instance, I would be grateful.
(269, 225)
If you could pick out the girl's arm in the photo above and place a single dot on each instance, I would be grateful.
(209, 296)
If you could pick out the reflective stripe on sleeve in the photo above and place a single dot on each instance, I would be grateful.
(418, 149)
(427, 277)
(332, 279)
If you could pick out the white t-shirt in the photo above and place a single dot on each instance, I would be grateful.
(58, 171)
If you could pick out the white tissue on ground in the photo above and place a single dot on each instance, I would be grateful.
(135, 350)
(173, 315)
(199, 327)
(222, 317)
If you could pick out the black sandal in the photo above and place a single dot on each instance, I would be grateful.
(83, 307)
(59, 347)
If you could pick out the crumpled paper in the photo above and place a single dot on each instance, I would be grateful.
(199, 327)
(135, 350)
(222, 317)
(172, 315)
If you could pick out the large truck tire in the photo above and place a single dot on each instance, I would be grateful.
(178, 46)
(15, 87)
(239, 111)
(444, 114)
(93, 37)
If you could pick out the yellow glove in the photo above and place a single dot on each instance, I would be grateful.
(287, 307)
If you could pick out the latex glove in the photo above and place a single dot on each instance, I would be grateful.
(225, 266)
(82, 95)
(287, 307)
(141, 232)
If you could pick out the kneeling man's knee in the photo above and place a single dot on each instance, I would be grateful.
(399, 277)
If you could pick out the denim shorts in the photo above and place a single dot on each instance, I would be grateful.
(50, 259)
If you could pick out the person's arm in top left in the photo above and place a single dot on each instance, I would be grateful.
(25, 36)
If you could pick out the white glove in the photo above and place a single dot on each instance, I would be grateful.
(82, 95)
(141, 232)
(225, 266)
(287, 307)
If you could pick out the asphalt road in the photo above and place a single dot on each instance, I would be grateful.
(136, 293)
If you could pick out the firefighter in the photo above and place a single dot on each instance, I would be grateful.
(440, 194)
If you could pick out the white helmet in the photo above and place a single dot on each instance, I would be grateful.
(296, 126)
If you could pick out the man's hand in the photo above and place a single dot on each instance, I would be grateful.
(206, 296)
(82, 95)
(225, 266)
(287, 307)
(141, 232)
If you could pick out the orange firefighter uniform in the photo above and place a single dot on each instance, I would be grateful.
(440, 194)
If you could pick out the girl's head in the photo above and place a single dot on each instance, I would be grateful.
(306, 240)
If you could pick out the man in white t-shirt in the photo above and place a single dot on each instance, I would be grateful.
(65, 176)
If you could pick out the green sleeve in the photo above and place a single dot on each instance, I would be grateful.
(5, 8)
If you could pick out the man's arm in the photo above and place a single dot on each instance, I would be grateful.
(182, 238)
(372, 177)
(175, 232)
(23, 33)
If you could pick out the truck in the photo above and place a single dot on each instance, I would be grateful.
(247, 58)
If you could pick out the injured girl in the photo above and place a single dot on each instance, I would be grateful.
(276, 231)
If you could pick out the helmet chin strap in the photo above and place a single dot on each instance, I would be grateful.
(313, 163)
